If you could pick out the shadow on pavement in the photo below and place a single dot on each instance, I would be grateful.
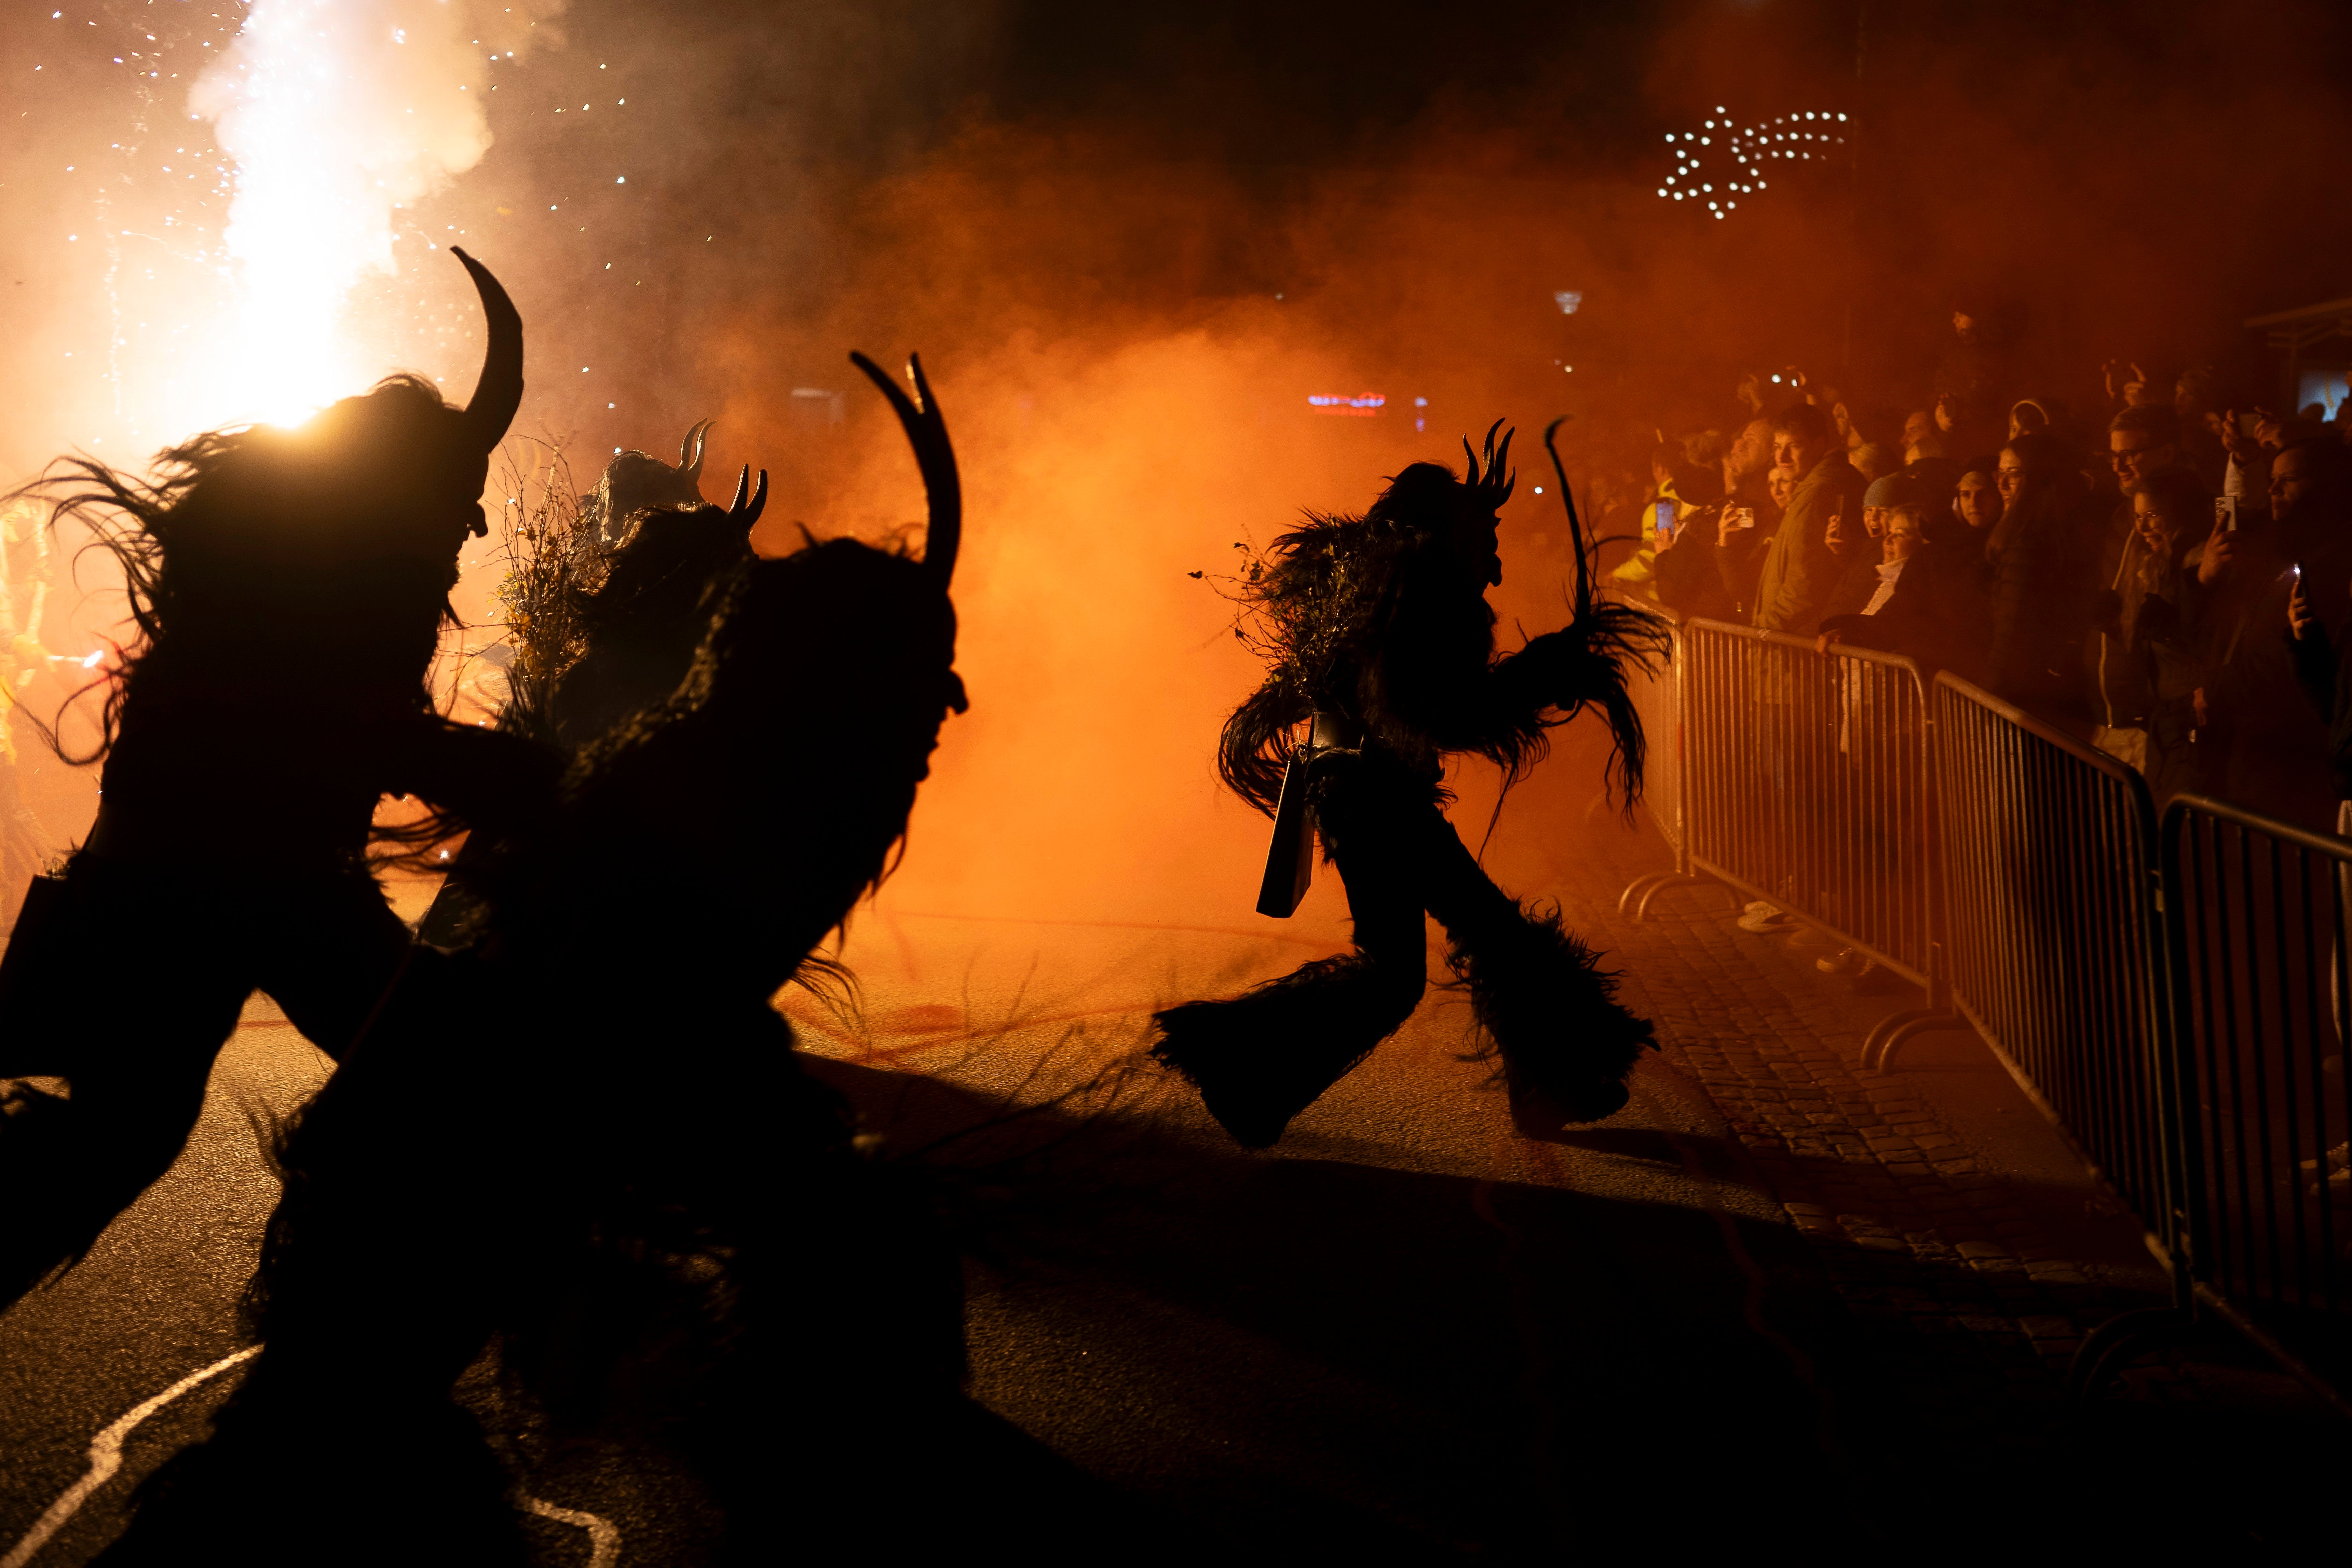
(1296, 1356)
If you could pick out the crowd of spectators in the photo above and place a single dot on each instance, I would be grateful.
(2169, 579)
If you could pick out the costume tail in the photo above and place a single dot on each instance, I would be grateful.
(1613, 637)
(1262, 1059)
(1552, 1013)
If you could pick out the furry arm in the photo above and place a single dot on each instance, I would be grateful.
(494, 781)
(1255, 746)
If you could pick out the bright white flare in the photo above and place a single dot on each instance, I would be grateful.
(336, 113)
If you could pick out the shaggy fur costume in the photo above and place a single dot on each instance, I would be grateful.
(1381, 620)
(289, 587)
(612, 1163)
(639, 628)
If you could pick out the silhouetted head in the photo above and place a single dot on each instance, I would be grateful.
(634, 481)
(390, 477)
(1430, 499)
(645, 620)
(668, 553)
(355, 514)
(844, 641)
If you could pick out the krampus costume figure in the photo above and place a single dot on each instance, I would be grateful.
(228, 853)
(1384, 644)
(616, 1164)
(645, 620)
(652, 605)
(637, 481)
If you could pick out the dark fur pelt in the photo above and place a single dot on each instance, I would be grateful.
(324, 557)
(1546, 1008)
(644, 621)
(1375, 617)
(1263, 1058)
(585, 1136)
(653, 603)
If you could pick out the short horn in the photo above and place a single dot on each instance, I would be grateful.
(498, 393)
(748, 513)
(927, 432)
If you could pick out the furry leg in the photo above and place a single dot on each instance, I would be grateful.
(1541, 999)
(1263, 1058)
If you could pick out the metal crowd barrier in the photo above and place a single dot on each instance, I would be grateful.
(1803, 786)
(2258, 947)
(2050, 926)
(2178, 1007)
(1657, 696)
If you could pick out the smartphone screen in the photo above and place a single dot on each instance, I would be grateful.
(1743, 517)
(2225, 512)
(1666, 520)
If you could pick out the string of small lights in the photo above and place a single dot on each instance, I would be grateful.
(1741, 153)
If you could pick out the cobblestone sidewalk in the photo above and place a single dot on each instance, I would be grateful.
(1972, 1289)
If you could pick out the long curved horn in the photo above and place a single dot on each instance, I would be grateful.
(927, 432)
(689, 448)
(1575, 525)
(499, 393)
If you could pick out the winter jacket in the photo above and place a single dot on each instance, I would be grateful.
(2271, 751)
(2044, 598)
(1800, 573)
(2322, 670)
(1935, 616)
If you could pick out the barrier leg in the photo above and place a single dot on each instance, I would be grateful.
(2121, 1341)
(1887, 1036)
(1634, 902)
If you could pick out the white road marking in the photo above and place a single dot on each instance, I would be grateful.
(603, 1535)
(106, 1458)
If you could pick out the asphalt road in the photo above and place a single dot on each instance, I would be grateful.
(1407, 1331)
(1406, 1334)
